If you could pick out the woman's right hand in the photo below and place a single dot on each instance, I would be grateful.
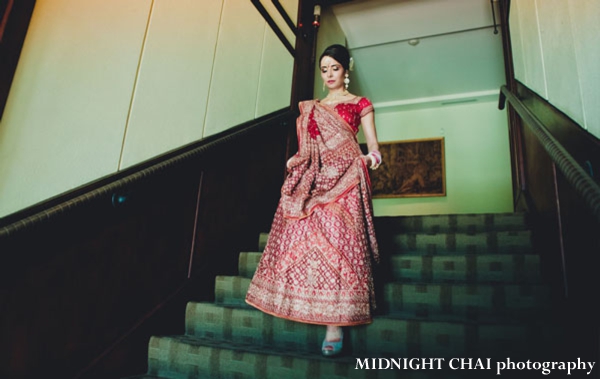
(289, 162)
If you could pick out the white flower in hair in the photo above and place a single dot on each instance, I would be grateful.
(351, 64)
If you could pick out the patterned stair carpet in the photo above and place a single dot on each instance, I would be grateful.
(448, 287)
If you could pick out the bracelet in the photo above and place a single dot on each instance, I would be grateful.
(377, 156)
(375, 159)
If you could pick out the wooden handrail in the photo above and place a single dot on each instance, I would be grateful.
(265, 14)
(117, 181)
(583, 184)
(285, 16)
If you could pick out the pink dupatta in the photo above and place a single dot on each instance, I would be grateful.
(329, 164)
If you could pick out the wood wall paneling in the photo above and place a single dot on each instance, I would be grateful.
(240, 192)
(581, 260)
(564, 230)
(542, 209)
(77, 284)
(583, 146)
(83, 293)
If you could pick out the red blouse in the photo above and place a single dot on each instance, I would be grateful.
(353, 110)
(350, 111)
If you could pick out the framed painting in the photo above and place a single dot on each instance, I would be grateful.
(411, 168)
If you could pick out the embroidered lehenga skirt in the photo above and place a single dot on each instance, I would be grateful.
(316, 266)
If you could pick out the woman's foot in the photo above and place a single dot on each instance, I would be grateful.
(333, 342)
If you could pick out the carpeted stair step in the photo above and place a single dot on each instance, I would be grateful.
(479, 302)
(231, 290)
(493, 242)
(247, 263)
(451, 286)
(385, 336)
(470, 269)
(193, 357)
(463, 223)
(262, 241)
(482, 302)
(435, 224)
(504, 242)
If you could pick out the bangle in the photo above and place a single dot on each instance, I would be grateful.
(377, 156)
(375, 159)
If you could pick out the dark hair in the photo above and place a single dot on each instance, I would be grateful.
(339, 53)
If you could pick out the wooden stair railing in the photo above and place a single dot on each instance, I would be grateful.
(550, 152)
(117, 182)
(86, 279)
(582, 182)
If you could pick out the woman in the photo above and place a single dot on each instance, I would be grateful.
(316, 266)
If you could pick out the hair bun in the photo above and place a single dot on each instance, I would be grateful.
(340, 54)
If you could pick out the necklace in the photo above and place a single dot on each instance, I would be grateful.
(337, 95)
(331, 97)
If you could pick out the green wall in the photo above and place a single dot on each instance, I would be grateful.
(477, 154)
(477, 157)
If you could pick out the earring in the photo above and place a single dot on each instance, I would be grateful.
(346, 81)
(323, 86)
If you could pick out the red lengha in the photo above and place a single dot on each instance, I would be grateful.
(316, 266)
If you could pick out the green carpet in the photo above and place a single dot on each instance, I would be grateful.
(451, 301)
(448, 286)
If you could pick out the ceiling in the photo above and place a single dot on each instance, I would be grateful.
(455, 57)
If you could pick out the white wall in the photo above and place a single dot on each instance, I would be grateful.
(237, 63)
(276, 74)
(477, 157)
(291, 9)
(556, 54)
(103, 85)
(65, 115)
(169, 101)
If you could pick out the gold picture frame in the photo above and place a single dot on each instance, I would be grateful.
(410, 168)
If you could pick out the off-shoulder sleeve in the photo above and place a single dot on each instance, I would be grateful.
(365, 106)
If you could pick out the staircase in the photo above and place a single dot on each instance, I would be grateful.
(448, 287)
